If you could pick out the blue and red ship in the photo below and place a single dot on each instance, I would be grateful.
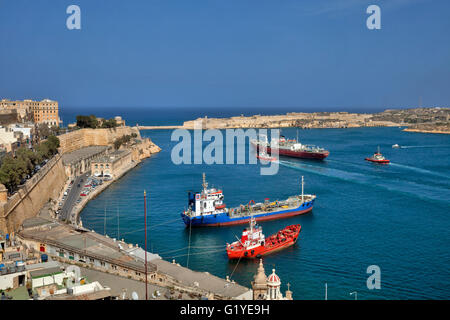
(206, 208)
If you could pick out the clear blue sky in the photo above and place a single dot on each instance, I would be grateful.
(227, 53)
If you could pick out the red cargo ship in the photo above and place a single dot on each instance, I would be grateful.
(253, 244)
(290, 148)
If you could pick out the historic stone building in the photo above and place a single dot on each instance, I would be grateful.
(111, 163)
(44, 111)
(268, 288)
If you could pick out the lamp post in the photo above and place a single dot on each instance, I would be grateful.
(145, 223)
(356, 294)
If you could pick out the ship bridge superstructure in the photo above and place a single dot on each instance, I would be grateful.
(208, 201)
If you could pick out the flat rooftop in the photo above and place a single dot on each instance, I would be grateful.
(111, 156)
(44, 272)
(205, 280)
(83, 153)
(117, 252)
(85, 243)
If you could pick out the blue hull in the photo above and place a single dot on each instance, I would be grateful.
(222, 219)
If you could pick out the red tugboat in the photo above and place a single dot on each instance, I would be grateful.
(378, 158)
(253, 244)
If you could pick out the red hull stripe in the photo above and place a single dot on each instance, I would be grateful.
(298, 154)
(266, 218)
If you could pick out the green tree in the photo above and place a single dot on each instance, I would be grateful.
(53, 144)
(55, 130)
(111, 123)
(87, 121)
(43, 131)
(10, 176)
(43, 151)
(28, 157)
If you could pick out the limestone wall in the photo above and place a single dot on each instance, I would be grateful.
(26, 203)
(92, 137)
(144, 150)
(49, 182)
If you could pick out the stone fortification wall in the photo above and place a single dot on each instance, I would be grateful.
(78, 139)
(26, 203)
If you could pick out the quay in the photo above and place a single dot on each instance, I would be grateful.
(158, 127)
(113, 257)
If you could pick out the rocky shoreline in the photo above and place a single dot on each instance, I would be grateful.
(427, 131)
(432, 117)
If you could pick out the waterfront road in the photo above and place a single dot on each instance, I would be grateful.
(72, 196)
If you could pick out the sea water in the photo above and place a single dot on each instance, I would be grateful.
(394, 216)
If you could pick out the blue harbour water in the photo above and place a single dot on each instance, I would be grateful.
(395, 216)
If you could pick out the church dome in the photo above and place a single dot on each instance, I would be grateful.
(260, 277)
(273, 280)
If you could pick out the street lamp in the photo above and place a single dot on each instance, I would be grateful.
(356, 294)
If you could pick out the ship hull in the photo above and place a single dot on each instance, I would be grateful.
(223, 219)
(294, 154)
(385, 161)
(263, 250)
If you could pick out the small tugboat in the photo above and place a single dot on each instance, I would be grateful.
(253, 244)
(207, 208)
(378, 158)
(264, 156)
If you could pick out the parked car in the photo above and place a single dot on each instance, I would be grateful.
(82, 194)
(65, 193)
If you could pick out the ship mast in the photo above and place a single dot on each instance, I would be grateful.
(205, 184)
(303, 184)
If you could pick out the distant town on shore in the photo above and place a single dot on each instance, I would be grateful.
(432, 120)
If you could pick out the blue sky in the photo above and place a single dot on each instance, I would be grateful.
(227, 53)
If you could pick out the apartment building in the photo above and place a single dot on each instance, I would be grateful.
(44, 111)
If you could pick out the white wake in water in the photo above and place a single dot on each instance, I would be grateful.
(432, 146)
(421, 191)
(401, 166)
(425, 171)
